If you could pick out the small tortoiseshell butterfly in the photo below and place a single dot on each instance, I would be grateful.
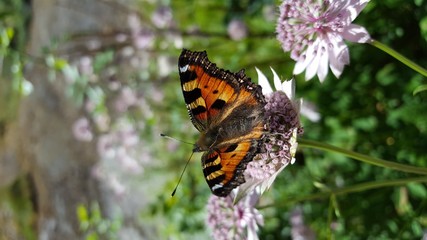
(228, 110)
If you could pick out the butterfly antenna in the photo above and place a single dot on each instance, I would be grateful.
(180, 177)
(172, 138)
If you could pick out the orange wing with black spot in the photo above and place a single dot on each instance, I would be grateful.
(227, 108)
(223, 167)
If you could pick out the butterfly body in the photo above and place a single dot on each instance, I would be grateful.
(228, 111)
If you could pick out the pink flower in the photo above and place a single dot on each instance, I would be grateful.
(126, 99)
(82, 130)
(162, 17)
(141, 37)
(314, 32)
(279, 147)
(299, 229)
(237, 29)
(234, 221)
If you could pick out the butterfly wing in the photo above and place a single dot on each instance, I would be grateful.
(223, 166)
(227, 108)
(206, 88)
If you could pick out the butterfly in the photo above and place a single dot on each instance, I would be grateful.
(228, 111)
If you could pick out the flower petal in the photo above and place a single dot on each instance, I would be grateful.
(276, 79)
(356, 33)
(322, 70)
(263, 82)
(356, 6)
(300, 65)
(338, 48)
(338, 55)
(336, 67)
(245, 189)
(309, 110)
(288, 87)
(306, 60)
(314, 63)
(267, 184)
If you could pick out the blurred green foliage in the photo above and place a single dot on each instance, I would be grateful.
(94, 225)
(16, 211)
(13, 15)
(15, 201)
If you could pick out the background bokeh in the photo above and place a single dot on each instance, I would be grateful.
(87, 87)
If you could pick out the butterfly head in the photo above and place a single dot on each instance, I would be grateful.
(202, 144)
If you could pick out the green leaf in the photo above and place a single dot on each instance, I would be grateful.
(82, 213)
(6, 36)
(10, 33)
(417, 190)
(423, 27)
(60, 64)
(102, 60)
(92, 236)
(320, 185)
(419, 89)
(335, 206)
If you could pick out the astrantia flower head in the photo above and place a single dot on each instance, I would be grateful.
(234, 221)
(314, 32)
(282, 127)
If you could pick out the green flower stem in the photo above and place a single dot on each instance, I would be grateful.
(361, 157)
(350, 189)
(399, 57)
